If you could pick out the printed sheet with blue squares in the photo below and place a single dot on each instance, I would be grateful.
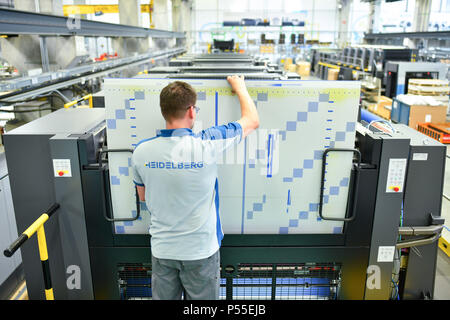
(269, 183)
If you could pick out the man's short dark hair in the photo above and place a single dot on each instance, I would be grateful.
(175, 98)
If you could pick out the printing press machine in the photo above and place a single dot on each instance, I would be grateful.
(219, 66)
(394, 191)
(114, 266)
(398, 73)
(217, 58)
(368, 58)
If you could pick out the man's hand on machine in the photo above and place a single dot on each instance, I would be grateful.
(237, 84)
(249, 120)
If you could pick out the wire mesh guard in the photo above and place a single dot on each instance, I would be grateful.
(135, 281)
(307, 281)
(310, 281)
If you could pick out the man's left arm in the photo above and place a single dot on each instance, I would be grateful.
(141, 193)
(140, 187)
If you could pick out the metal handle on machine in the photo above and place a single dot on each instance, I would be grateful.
(416, 243)
(105, 151)
(420, 231)
(105, 200)
(355, 184)
(434, 231)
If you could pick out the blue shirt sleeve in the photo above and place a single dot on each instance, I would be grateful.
(222, 137)
(226, 131)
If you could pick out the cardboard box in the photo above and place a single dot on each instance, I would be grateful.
(426, 114)
(372, 108)
(411, 115)
(266, 49)
(333, 74)
(384, 107)
(287, 63)
(385, 100)
(291, 68)
(303, 68)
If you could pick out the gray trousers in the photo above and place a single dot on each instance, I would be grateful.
(197, 279)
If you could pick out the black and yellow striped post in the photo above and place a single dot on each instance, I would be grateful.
(37, 227)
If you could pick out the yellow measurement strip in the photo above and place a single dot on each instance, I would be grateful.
(335, 94)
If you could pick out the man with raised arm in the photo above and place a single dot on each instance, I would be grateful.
(176, 175)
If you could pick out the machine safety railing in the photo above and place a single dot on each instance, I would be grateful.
(37, 227)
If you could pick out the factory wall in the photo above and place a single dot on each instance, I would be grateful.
(320, 17)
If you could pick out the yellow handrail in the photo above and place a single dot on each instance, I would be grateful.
(75, 102)
(329, 65)
(37, 227)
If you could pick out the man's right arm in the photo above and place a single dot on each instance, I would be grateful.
(140, 187)
(141, 193)
(249, 115)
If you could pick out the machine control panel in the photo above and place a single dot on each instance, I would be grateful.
(61, 168)
(396, 175)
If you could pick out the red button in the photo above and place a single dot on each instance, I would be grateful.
(396, 189)
(60, 173)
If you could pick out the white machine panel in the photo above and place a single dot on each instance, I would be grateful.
(396, 175)
(62, 168)
(269, 183)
